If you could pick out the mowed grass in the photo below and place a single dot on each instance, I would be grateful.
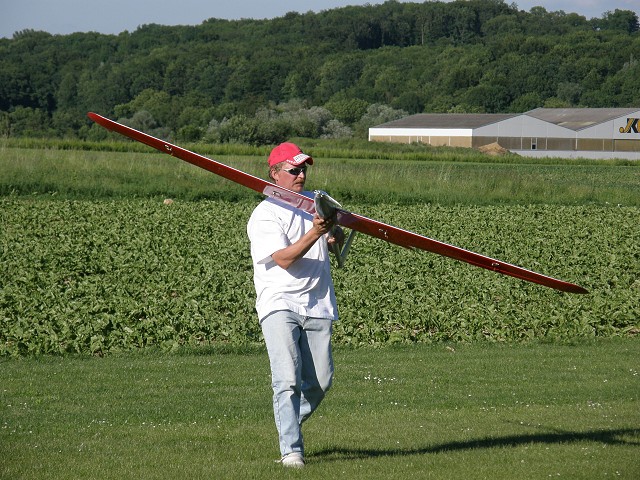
(441, 411)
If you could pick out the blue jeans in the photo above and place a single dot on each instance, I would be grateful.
(301, 371)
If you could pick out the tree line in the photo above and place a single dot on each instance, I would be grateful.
(329, 74)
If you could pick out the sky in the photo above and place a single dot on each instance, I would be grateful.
(116, 16)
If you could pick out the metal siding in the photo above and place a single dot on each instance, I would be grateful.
(560, 144)
(439, 141)
(620, 124)
(592, 144)
(477, 141)
(604, 130)
(460, 141)
(627, 145)
(510, 143)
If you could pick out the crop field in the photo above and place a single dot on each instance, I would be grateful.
(91, 271)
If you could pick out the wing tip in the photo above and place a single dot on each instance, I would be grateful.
(569, 288)
(95, 117)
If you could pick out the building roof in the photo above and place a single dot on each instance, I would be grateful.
(571, 118)
(578, 118)
(448, 120)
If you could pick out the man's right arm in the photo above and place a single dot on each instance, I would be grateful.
(287, 256)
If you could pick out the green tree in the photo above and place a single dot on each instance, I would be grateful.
(347, 110)
(239, 129)
(569, 92)
(621, 20)
(158, 104)
(29, 122)
(463, 55)
(338, 73)
(526, 102)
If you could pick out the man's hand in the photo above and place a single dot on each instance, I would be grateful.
(323, 226)
(330, 226)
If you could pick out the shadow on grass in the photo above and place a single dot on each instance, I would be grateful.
(629, 436)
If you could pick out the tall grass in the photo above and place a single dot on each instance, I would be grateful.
(450, 183)
(78, 174)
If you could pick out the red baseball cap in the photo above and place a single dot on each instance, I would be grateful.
(290, 153)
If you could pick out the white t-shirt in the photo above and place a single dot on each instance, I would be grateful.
(306, 287)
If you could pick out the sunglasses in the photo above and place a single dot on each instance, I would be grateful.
(296, 171)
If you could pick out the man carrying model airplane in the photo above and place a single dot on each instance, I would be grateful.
(296, 301)
(290, 234)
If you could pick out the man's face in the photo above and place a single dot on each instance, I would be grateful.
(288, 176)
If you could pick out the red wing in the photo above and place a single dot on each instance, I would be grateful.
(255, 183)
(350, 220)
(408, 239)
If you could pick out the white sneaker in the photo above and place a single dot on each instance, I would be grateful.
(293, 460)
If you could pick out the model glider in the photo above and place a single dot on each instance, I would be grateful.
(325, 205)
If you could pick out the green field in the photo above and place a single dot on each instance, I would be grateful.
(129, 345)
(442, 411)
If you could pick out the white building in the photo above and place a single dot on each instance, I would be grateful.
(550, 132)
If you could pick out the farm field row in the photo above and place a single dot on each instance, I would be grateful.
(99, 276)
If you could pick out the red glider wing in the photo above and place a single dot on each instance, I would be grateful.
(347, 219)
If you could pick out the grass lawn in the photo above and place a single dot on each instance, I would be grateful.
(477, 410)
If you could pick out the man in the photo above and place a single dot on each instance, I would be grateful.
(296, 302)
